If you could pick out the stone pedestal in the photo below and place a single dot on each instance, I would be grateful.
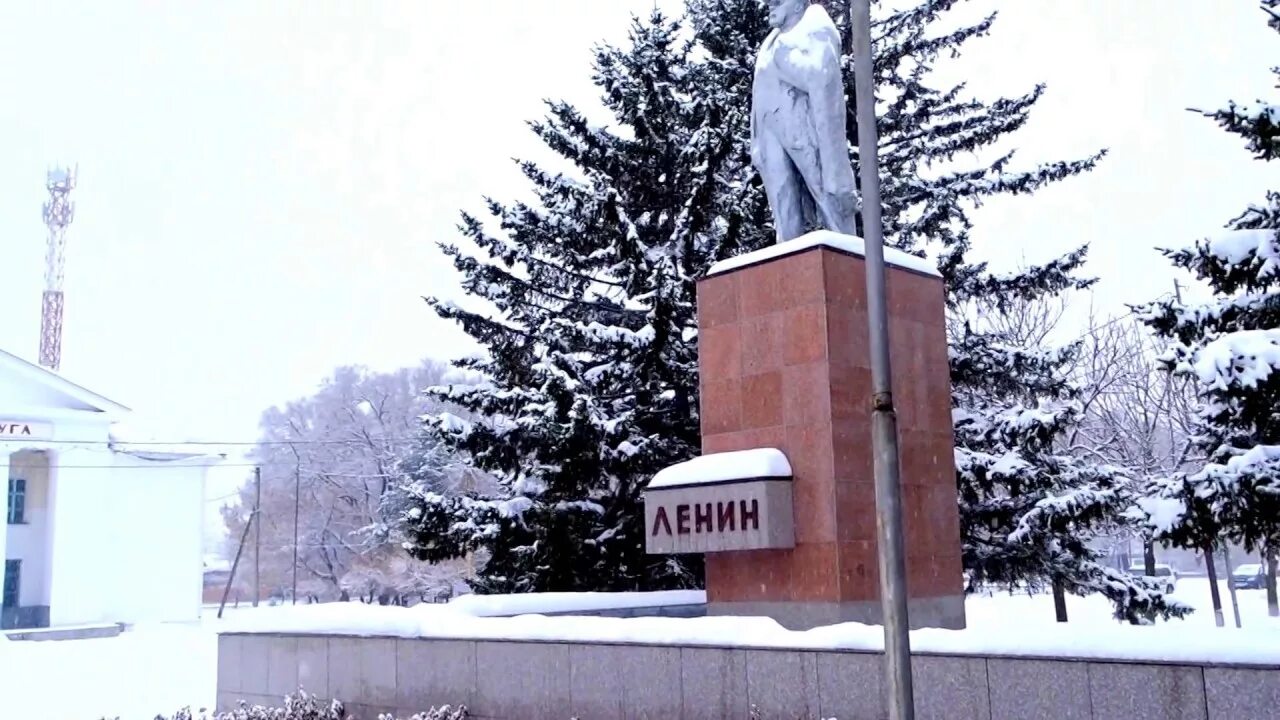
(784, 364)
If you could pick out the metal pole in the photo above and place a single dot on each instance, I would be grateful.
(257, 534)
(236, 563)
(884, 428)
(297, 495)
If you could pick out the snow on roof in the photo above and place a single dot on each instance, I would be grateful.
(56, 378)
(824, 238)
(724, 467)
(133, 439)
(155, 456)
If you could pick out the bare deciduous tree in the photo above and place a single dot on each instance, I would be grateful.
(340, 451)
(1031, 511)
(1137, 416)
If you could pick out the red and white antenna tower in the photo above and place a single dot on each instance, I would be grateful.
(59, 211)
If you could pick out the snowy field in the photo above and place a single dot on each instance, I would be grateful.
(160, 669)
(133, 676)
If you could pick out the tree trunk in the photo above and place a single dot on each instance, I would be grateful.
(1059, 600)
(1213, 586)
(1273, 607)
(1149, 570)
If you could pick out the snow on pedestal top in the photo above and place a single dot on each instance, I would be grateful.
(824, 238)
(724, 467)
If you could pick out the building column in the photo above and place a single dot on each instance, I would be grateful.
(4, 504)
(81, 587)
(50, 524)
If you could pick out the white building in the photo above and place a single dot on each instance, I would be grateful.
(97, 531)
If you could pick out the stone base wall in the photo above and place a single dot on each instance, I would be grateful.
(557, 681)
(73, 632)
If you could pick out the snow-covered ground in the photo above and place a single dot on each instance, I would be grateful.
(995, 611)
(154, 670)
(134, 676)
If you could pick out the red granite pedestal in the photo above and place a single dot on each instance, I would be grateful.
(784, 363)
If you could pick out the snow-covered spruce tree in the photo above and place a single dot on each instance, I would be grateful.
(576, 412)
(1230, 347)
(590, 372)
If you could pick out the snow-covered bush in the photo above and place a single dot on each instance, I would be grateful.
(307, 707)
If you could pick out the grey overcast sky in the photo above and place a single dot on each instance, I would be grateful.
(262, 182)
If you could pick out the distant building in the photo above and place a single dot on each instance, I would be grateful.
(217, 572)
(96, 530)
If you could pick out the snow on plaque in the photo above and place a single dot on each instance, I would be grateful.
(715, 503)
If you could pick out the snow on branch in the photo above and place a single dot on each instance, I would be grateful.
(1258, 125)
(1163, 513)
(1062, 510)
(1259, 464)
(1136, 599)
(1238, 360)
(1237, 246)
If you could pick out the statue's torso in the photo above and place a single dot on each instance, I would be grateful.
(779, 107)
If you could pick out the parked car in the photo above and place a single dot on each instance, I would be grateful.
(1164, 573)
(1252, 576)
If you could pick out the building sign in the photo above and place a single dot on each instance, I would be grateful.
(747, 514)
(23, 430)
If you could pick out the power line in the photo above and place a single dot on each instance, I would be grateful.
(354, 476)
(142, 467)
(222, 497)
(207, 443)
(145, 467)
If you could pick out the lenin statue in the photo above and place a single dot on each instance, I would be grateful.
(798, 140)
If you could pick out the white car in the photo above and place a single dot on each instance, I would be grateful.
(1164, 573)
